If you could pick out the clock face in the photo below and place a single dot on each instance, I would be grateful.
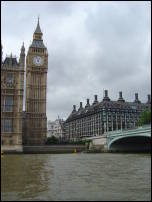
(37, 60)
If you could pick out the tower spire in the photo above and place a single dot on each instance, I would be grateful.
(38, 33)
(38, 29)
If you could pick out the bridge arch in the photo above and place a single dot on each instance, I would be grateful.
(134, 143)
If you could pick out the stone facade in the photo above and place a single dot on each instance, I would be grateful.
(35, 129)
(28, 127)
(107, 115)
(12, 90)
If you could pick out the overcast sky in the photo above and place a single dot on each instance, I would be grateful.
(92, 46)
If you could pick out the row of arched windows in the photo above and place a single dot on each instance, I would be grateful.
(36, 50)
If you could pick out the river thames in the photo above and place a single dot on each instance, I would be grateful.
(77, 177)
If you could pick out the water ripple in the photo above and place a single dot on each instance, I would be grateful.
(67, 177)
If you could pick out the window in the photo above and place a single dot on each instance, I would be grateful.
(122, 115)
(9, 78)
(133, 107)
(8, 103)
(7, 125)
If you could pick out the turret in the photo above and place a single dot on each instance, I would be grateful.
(22, 56)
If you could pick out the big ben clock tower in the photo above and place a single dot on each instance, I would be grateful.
(36, 82)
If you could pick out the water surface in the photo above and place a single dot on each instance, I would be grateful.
(79, 177)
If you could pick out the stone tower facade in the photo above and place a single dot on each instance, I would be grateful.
(12, 91)
(35, 121)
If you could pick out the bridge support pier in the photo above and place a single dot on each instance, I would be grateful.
(98, 145)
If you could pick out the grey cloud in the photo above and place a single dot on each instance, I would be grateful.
(92, 46)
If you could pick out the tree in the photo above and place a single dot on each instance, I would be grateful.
(145, 118)
(52, 140)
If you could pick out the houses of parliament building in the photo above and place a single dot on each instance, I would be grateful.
(28, 127)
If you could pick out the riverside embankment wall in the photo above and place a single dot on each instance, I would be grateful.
(44, 149)
(53, 149)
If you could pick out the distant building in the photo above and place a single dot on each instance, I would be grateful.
(107, 115)
(55, 128)
(12, 88)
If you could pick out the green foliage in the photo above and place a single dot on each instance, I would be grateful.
(52, 140)
(145, 118)
(80, 142)
(77, 142)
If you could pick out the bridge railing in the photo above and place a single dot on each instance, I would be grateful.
(132, 131)
(145, 128)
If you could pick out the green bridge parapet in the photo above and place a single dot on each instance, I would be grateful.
(114, 136)
(143, 129)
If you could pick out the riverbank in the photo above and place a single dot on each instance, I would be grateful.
(53, 149)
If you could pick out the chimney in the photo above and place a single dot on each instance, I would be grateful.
(120, 94)
(149, 100)
(81, 107)
(106, 98)
(87, 101)
(120, 97)
(74, 108)
(95, 99)
(136, 98)
(106, 93)
(88, 104)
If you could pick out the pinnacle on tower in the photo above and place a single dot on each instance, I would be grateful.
(38, 33)
(22, 56)
(38, 29)
(23, 48)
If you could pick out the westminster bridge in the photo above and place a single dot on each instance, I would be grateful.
(130, 140)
